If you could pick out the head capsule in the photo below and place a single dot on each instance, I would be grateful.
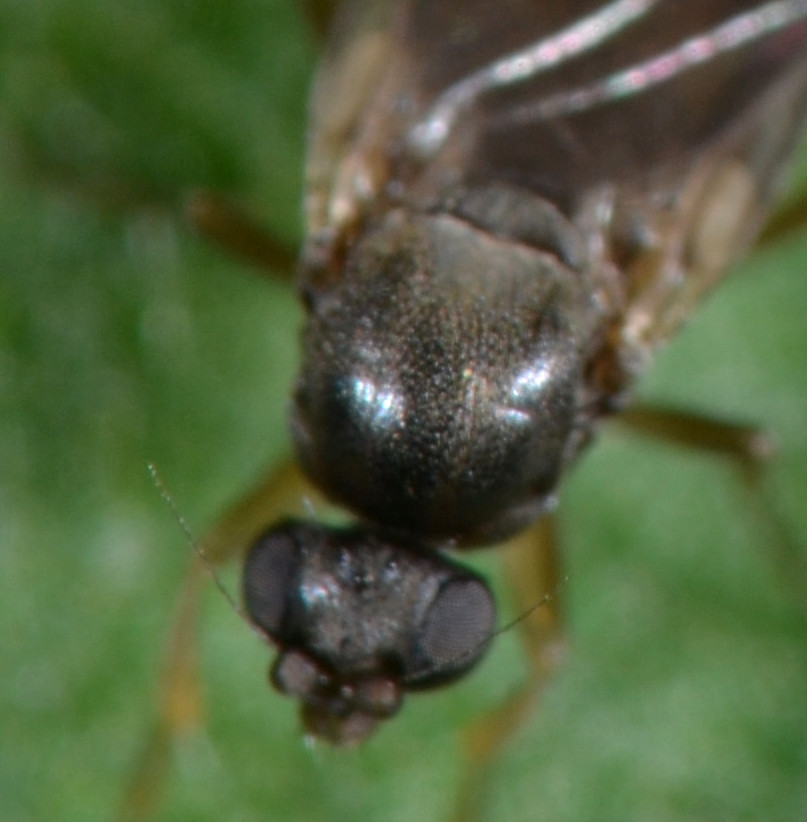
(359, 621)
(443, 378)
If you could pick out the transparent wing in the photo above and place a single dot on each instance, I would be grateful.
(557, 96)
(660, 128)
(578, 94)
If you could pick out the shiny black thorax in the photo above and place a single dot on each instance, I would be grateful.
(442, 389)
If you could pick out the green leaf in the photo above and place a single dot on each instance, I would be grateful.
(125, 340)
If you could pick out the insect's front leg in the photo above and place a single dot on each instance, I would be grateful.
(532, 567)
(281, 492)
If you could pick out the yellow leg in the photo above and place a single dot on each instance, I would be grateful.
(281, 492)
(531, 564)
(748, 449)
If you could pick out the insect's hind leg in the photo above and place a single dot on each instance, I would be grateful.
(531, 564)
(280, 492)
(224, 224)
(749, 450)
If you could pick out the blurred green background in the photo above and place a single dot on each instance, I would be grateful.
(124, 340)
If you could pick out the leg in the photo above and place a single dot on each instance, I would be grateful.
(319, 14)
(748, 449)
(280, 492)
(786, 221)
(225, 224)
(231, 229)
(531, 564)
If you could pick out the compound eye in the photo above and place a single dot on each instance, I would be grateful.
(270, 573)
(455, 633)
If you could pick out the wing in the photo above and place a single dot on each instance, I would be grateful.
(659, 128)
(562, 97)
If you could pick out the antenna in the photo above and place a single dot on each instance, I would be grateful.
(209, 566)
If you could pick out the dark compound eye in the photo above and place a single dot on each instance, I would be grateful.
(456, 629)
(270, 572)
(358, 620)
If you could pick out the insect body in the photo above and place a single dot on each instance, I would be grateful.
(510, 209)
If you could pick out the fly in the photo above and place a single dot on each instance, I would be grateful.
(510, 209)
